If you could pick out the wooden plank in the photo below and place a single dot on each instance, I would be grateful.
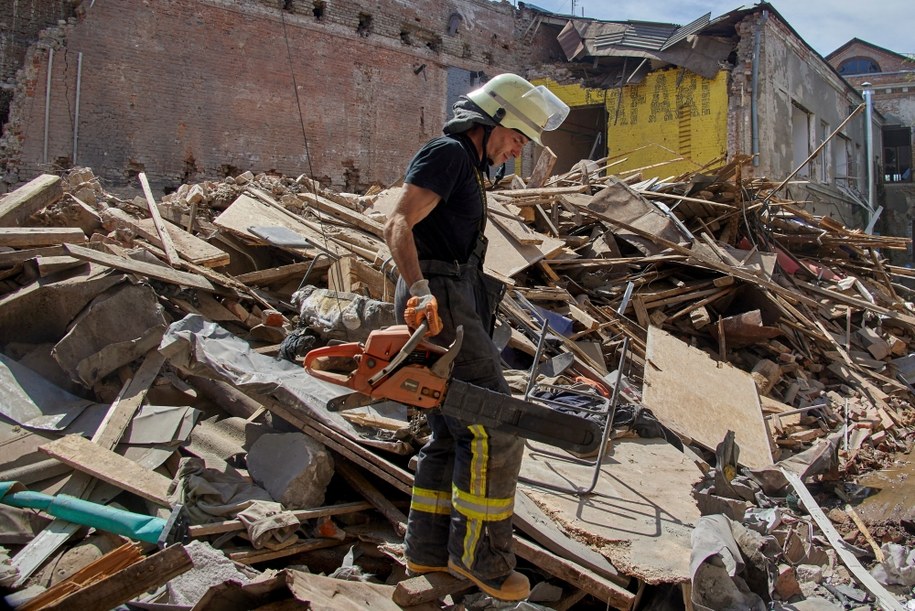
(13, 258)
(159, 272)
(190, 247)
(246, 211)
(215, 528)
(292, 271)
(518, 196)
(31, 197)
(343, 213)
(602, 589)
(108, 466)
(884, 597)
(255, 556)
(128, 583)
(513, 225)
(374, 496)
(166, 241)
(694, 395)
(34, 237)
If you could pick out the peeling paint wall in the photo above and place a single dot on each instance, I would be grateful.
(673, 117)
(801, 102)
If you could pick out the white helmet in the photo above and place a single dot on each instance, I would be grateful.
(514, 103)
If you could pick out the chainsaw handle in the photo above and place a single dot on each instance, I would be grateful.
(350, 350)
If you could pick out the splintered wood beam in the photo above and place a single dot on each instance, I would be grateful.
(170, 253)
(28, 199)
(159, 272)
(35, 237)
(124, 585)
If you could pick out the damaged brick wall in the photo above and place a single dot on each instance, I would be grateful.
(20, 24)
(185, 90)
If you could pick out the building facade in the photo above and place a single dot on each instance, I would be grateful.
(890, 77)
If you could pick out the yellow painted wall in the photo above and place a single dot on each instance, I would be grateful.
(659, 120)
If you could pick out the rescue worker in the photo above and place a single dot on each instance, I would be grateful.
(460, 517)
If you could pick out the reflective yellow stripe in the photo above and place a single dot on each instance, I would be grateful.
(431, 501)
(479, 451)
(481, 508)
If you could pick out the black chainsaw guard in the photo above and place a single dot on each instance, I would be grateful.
(475, 405)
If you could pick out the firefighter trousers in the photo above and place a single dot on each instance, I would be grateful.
(464, 489)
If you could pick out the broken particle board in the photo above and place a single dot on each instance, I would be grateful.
(640, 514)
(246, 212)
(703, 399)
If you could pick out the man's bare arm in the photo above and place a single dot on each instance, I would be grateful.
(414, 205)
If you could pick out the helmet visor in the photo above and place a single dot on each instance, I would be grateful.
(555, 109)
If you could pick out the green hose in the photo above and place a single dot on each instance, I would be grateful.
(133, 525)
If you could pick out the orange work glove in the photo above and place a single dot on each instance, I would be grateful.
(422, 306)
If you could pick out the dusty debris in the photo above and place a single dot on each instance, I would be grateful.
(204, 301)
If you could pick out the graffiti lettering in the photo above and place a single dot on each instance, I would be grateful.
(660, 101)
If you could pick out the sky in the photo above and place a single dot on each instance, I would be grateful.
(825, 25)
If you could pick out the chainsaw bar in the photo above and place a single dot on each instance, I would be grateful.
(472, 404)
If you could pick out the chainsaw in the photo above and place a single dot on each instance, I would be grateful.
(399, 365)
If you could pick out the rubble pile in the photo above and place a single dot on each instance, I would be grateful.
(759, 357)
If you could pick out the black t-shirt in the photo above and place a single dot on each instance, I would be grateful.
(446, 166)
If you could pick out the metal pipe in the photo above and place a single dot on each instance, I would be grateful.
(754, 98)
(869, 144)
(79, 78)
(47, 104)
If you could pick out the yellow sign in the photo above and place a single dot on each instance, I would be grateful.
(671, 123)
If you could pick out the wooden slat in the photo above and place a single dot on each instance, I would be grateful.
(31, 197)
(108, 466)
(159, 272)
(126, 584)
(35, 237)
(190, 247)
(170, 253)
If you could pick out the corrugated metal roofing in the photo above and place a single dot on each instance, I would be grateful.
(689, 28)
(639, 34)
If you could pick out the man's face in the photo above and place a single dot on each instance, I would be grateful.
(504, 144)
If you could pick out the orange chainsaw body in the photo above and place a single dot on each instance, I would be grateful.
(412, 382)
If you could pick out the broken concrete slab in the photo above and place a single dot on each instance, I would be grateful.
(116, 328)
(292, 467)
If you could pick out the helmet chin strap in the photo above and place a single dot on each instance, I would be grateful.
(485, 161)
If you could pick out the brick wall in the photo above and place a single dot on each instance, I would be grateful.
(191, 89)
(20, 23)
